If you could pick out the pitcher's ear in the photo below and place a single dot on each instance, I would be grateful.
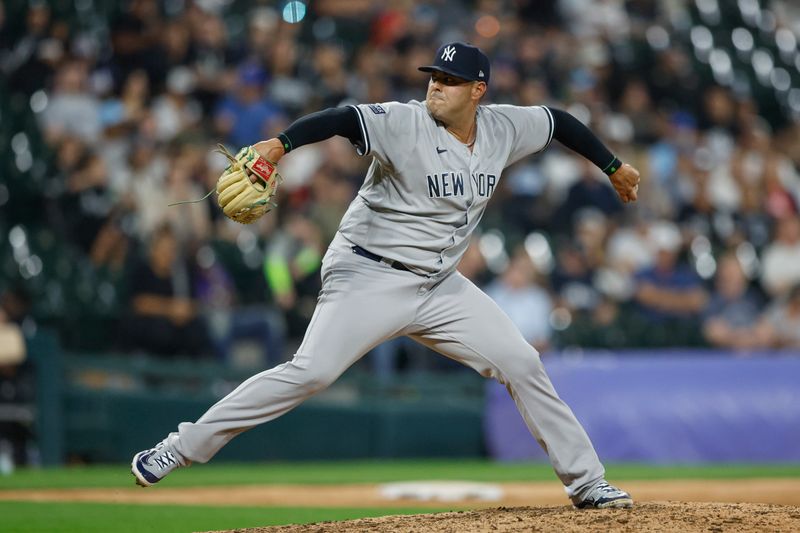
(479, 89)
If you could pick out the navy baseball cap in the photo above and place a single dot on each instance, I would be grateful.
(461, 60)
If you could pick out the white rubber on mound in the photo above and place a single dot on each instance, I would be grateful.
(444, 491)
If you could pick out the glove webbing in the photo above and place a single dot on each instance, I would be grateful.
(224, 151)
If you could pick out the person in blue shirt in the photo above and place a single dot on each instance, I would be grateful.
(731, 318)
(669, 293)
(246, 113)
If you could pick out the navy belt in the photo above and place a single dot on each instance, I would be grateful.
(375, 257)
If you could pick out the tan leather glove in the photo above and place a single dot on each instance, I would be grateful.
(246, 187)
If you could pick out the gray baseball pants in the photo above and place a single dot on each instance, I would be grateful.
(364, 302)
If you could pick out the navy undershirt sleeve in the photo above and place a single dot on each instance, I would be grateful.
(570, 132)
(320, 126)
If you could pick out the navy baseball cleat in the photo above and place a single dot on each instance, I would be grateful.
(605, 496)
(151, 466)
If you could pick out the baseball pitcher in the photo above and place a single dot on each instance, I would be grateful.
(391, 269)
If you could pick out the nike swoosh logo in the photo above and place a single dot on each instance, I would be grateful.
(440, 150)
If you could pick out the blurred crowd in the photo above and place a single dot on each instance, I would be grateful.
(131, 101)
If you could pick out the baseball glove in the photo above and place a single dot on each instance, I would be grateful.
(246, 186)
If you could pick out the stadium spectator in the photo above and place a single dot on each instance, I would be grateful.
(572, 278)
(191, 223)
(86, 202)
(782, 321)
(589, 192)
(230, 320)
(328, 75)
(17, 387)
(73, 109)
(286, 87)
(291, 266)
(669, 159)
(528, 304)
(111, 247)
(331, 193)
(176, 47)
(669, 295)
(175, 111)
(732, 316)
(33, 56)
(214, 59)
(782, 257)
(627, 252)
(637, 108)
(136, 39)
(139, 183)
(164, 315)
(245, 112)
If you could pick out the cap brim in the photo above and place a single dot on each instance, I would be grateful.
(434, 68)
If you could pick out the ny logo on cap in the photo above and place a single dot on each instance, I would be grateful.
(448, 53)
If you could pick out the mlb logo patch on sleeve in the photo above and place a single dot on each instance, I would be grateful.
(378, 110)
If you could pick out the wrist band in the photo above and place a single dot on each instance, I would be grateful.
(287, 144)
(612, 167)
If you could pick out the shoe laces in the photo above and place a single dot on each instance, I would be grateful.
(162, 458)
(607, 489)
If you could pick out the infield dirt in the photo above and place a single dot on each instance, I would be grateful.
(647, 517)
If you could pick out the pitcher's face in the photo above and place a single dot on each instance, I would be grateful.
(449, 95)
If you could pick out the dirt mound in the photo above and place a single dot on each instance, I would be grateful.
(654, 516)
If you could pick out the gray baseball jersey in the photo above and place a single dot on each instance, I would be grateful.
(423, 196)
(425, 192)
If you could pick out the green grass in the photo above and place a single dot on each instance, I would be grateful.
(25, 517)
(48, 517)
(369, 472)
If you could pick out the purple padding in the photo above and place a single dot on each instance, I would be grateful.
(666, 407)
